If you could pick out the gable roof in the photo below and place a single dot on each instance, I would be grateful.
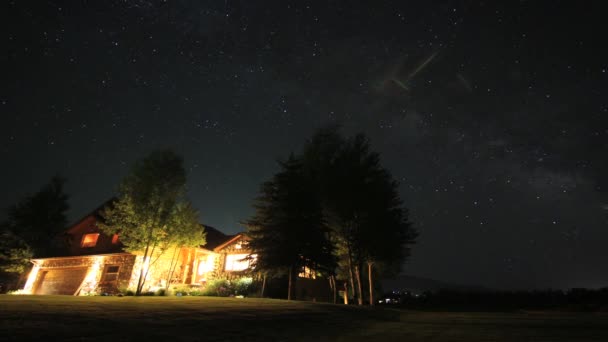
(231, 240)
(95, 213)
(214, 238)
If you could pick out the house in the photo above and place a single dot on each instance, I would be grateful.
(94, 263)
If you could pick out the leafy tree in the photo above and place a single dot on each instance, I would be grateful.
(15, 254)
(183, 231)
(151, 214)
(287, 230)
(15, 257)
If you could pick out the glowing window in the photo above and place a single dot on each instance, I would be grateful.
(89, 240)
(111, 273)
(114, 239)
(206, 265)
(235, 262)
(307, 273)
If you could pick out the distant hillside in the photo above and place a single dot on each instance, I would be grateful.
(419, 285)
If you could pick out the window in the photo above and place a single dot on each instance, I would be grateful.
(206, 265)
(114, 239)
(307, 273)
(235, 262)
(89, 240)
(111, 273)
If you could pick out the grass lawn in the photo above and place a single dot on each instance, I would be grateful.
(64, 318)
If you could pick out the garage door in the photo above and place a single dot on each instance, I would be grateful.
(61, 281)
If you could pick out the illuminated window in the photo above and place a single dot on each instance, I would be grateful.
(89, 240)
(235, 262)
(111, 273)
(307, 273)
(114, 239)
(206, 265)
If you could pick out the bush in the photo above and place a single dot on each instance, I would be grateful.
(182, 290)
(161, 292)
(225, 288)
(243, 286)
(126, 292)
(196, 292)
(217, 287)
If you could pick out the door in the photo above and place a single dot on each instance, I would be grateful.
(61, 281)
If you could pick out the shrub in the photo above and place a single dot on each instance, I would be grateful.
(243, 286)
(126, 292)
(225, 287)
(182, 290)
(217, 287)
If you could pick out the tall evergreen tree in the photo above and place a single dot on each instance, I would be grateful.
(287, 230)
(336, 193)
(38, 219)
(32, 229)
(151, 214)
(369, 217)
(369, 225)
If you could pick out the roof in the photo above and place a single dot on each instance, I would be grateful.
(95, 213)
(226, 243)
(232, 239)
(215, 237)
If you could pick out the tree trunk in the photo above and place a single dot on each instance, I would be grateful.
(289, 284)
(360, 293)
(263, 285)
(332, 285)
(145, 274)
(171, 268)
(346, 293)
(350, 270)
(140, 281)
(371, 282)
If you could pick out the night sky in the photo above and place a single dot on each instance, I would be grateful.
(493, 117)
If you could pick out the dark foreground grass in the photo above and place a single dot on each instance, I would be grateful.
(64, 318)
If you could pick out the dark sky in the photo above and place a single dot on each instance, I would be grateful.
(494, 117)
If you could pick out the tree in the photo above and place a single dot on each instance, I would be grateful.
(38, 219)
(32, 229)
(15, 254)
(368, 222)
(287, 230)
(339, 193)
(151, 214)
(183, 231)
(369, 218)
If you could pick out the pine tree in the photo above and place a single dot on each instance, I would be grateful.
(287, 230)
